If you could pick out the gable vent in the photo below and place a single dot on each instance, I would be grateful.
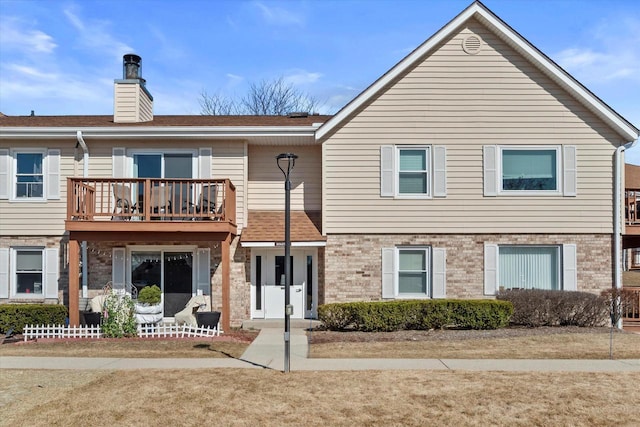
(472, 44)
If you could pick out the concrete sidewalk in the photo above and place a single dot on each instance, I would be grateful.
(267, 352)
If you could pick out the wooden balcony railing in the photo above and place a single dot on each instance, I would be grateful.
(631, 306)
(632, 203)
(150, 199)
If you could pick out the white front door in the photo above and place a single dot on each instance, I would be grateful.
(267, 283)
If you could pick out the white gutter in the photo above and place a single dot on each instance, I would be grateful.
(617, 220)
(162, 131)
(85, 256)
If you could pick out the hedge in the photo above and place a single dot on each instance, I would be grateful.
(16, 316)
(536, 307)
(415, 314)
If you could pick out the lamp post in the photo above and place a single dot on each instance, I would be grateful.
(286, 162)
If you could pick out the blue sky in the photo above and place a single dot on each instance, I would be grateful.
(61, 57)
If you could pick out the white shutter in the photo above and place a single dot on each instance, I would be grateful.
(387, 171)
(53, 174)
(119, 159)
(570, 171)
(203, 277)
(4, 273)
(569, 268)
(490, 269)
(204, 163)
(51, 265)
(439, 275)
(5, 181)
(439, 171)
(388, 272)
(490, 168)
(118, 268)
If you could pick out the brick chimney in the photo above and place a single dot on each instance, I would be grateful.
(132, 102)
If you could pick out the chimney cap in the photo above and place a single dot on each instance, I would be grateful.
(132, 67)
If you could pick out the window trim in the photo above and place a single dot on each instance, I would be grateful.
(428, 172)
(428, 254)
(559, 170)
(14, 174)
(14, 273)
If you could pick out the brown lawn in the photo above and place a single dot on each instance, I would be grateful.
(255, 397)
(523, 343)
(631, 278)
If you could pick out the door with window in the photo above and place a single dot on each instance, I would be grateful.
(166, 165)
(268, 283)
(170, 270)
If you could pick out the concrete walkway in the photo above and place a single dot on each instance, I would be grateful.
(267, 352)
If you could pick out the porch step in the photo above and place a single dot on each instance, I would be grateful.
(278, 323)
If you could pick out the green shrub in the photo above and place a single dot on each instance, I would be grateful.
(536, 307)
(415, 314)
(16, 316)
(118, 318)
(150, 295)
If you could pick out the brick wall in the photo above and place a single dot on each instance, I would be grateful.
(353, 267)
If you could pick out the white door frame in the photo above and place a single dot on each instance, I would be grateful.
(267, 256)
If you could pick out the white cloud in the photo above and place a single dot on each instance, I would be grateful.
(95, 36)
(18, 38)
(302, 77)
(278, 16)
(24, 71)
(614, 53)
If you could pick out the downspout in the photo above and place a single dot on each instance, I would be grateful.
(84, 254)
(617, 220)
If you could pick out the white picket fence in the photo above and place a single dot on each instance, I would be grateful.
(144, 331)
(176, 331)
(61, 331)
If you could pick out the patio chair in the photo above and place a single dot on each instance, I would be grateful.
(123, 204)
(160, 200)
(207, 201)
(187, 315)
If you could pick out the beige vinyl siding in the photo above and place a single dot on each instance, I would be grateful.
(229, 162)
(266, 181)
(145, 106)
(25, 218)
(125, 106)
(131, 103)
(464, 102)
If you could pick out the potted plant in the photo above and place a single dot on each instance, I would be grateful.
(148, 308)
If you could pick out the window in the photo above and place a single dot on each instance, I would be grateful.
(529, 267)
(544, 266)
(414, 272)
(413, 171)
(29, 175)
(29, 272)
(529, 169)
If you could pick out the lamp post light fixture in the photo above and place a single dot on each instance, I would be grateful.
(286, 162)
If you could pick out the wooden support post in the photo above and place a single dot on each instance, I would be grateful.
(74, 283)
(226, 283)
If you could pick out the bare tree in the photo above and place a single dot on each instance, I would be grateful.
(269, 97)
(216, 105)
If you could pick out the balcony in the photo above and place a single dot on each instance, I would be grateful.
(96, 205)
